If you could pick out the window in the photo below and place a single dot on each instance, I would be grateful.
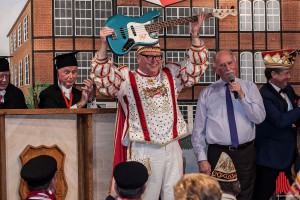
(11, 44)
(175, 56)
(259, 15)
(129, 60)
(259, 68)
(184, 111)
(63, 17)
(21, 73)
(83, 60)
(103, 10)
(157, 19)
(245, 15)
(273, 15)
(175, 13)
(208, 26)
(132, 11)
(25, 27)
(27, 72)
(83, 17)
(19, 35)
(209, 75)
(246, 66)
(15, 40)
(15, 75)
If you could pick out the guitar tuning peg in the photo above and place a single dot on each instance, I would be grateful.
(232, 7)
(226, 7)
(221, 7)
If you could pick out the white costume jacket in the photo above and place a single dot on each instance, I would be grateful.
(150, 103)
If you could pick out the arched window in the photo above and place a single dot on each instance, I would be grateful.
(259, 68)
(245, 15)
(273, 15)
(259, 15)
(246, 66)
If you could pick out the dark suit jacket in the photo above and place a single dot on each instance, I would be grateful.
(275, 137)
(13, 98)
(52, 97)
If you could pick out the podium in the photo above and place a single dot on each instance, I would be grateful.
(84, 135)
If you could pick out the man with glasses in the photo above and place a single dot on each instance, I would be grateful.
(226, 114)
(152, 122)
(11, 97)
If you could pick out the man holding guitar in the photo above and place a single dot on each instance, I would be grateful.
(149, 122)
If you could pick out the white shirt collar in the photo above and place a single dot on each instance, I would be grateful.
(2, 92)
(65, 90)
(275, 87)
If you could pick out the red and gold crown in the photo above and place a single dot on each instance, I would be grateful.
(153, 48)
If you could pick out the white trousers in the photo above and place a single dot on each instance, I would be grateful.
(166, 168)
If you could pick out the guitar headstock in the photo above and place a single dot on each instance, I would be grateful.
(222, 13)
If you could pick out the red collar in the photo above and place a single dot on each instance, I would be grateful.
(42, 194)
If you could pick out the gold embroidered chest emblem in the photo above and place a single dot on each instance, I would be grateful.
(155, 91)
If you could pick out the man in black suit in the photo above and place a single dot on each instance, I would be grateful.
(11, 97)
(63, 94)
(275, 137)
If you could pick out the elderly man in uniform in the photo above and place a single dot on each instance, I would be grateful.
(39, 173)
(63, 94)
(148, 105)
(11, 97)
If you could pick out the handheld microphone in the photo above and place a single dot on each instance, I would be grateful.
(231, 79)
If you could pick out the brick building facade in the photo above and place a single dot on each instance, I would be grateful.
(59, 26)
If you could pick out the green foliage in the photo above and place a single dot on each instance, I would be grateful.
(186, 143)
(35, 90)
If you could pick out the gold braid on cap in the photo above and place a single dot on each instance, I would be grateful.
(149, 49)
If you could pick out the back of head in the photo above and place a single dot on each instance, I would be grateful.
(39, 171)
(197, 187)
(130, 179)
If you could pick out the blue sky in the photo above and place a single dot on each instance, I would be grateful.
(9, 11)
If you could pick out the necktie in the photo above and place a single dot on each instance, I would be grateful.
(231, 119)
(0, 99)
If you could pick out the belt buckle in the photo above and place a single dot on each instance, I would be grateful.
(232, 148)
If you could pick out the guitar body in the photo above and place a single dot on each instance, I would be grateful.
(130, 31)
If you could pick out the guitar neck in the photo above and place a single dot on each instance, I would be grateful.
(160, 25)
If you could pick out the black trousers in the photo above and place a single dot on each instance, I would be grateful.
(244, 162)
(265, 183)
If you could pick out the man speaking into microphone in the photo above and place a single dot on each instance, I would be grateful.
(226, 114)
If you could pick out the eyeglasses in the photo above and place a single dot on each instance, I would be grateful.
(229, 63)
(151, 58)
(4, 75)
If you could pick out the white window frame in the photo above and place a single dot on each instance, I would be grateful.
(83, 18)
(178, 12)
(27, 70)
(21, 73)
(15, 40)
(25, 28)
(246, 66)
(19, 35)
(83, 60)
(11, 44)
(103, 10)
(130, 11)
(259, 68)
(273, 15)
(259, 14)
(209, 76)
(15, 75)
(208, 27)
(245, 15)
(129, 60)
(63, 21)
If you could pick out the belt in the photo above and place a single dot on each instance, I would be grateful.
(232, 148)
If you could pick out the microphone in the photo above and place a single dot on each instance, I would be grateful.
(231, 79)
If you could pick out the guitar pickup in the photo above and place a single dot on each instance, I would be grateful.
(133, 31)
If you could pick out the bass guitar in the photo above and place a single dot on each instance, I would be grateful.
(130, 31)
